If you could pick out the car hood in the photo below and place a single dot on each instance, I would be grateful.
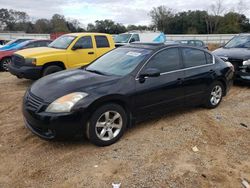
(233, 53)
(56, 85)
(40, 51)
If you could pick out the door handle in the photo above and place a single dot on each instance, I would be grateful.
(211, 70)
(90, 53)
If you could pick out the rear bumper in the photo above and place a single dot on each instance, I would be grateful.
(28, 72)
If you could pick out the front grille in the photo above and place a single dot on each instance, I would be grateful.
(33, 102)
(18, 60)
(236, 63)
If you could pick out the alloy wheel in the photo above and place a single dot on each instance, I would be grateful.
(109, 125)
(216, 95)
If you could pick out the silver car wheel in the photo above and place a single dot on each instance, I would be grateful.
(216, 95)
(108, 125)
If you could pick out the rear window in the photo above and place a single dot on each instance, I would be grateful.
(102, 42)
(193, 57)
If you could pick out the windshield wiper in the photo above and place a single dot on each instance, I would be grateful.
(95, 71)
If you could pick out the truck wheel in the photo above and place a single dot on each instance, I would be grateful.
(107, 125)
(4, 64)
(51, 69)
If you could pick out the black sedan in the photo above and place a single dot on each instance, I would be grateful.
(123, 87)
(237, 52)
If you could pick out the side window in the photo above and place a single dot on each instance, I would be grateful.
(30, 45)
(193, 57)
(199, 43)
(191, 43)
(209, 58)
(135, 38)
(42, 43)
(37, 44)
(101, 42)
(166, 60)
(84, 42)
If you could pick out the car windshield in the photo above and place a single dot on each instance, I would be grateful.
(122, 38)
(239, 42)
(119, 62)
(62, 42)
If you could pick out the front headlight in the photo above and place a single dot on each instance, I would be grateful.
(65, 103)
(247, 62)
(30, 61)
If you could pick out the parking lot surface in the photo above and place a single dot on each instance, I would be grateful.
(157, 153)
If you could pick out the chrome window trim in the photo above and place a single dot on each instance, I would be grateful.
(169, 72)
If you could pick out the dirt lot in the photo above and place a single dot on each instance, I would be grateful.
(157, 153)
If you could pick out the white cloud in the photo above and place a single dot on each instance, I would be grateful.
(122, 11)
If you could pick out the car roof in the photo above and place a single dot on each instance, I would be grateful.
(151, 46)
(38, 40)
(86, 33)
(158, 46)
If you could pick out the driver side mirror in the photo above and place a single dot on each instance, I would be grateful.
(150, 72)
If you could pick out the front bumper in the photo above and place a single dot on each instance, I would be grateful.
(28, 72)
(243, 74)
(51, 126)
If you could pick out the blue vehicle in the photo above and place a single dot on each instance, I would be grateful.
(12, 43)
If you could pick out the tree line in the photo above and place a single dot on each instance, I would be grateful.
(215, 20)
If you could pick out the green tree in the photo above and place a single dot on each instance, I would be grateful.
(106, 26)
(161, 18)
(13, 20)
(43, 26)
(59, 23)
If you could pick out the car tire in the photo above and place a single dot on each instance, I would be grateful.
(51, 69)
(4, 64)
(107, 125)
(215, 95)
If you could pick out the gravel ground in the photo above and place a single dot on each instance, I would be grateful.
(156, 153)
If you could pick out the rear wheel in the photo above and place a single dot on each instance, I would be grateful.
(51, 69)
(215, 95)
(107, 125)
(4, 64)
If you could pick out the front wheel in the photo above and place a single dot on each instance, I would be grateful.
(4, 64)
(107, 125)
(51, 69)
(215, 95)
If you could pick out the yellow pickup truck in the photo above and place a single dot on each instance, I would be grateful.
(68, 51)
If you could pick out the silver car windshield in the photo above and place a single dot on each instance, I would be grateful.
(122, 38)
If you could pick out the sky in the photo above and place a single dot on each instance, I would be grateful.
(121, 11)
